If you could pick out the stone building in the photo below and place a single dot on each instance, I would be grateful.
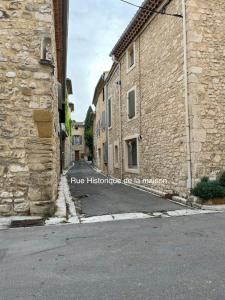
(100, 126)
(166, 91)
(67, 154)
(78, 141)
(33, 48)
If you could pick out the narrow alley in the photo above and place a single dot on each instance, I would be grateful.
(103, 199)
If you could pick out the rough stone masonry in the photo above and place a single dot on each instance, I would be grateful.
(161, 114)
(29, 122)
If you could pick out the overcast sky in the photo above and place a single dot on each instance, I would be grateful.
(94, 28)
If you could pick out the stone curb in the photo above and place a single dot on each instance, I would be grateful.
(210, 207)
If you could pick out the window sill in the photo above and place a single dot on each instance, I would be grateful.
(132, 119)
(134, 171)
(131, 68)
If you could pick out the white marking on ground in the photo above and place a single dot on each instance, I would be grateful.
(133, 216)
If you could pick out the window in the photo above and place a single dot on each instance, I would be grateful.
(103, 125)
(131, 103)
(109, 113)
(77, 140)
(116, 156)
(131, 145)
(131, 57)
(99, 156)
(105, 153)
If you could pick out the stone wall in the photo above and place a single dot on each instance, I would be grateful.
(159, 125)
(101, 138)
(206, 66)
(29, 143)
(114, 133)
(81, 148)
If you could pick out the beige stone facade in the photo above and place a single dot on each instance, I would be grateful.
(29, 113)
(78, 141)
(176, 121)
(100, 126)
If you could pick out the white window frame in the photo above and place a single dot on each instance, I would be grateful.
(116, 144)
(127, 57)
(129, 170)
(134, 88)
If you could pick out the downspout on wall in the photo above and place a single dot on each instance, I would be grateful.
(187, 103)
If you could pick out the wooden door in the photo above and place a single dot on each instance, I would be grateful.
(77, 155)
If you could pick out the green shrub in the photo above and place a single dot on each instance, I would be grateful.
(209, 189)
(222, 179)
(205, 179)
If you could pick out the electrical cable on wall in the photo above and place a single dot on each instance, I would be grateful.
(151, 10)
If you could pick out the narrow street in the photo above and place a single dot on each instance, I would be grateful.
(163, 258)
(103, 199)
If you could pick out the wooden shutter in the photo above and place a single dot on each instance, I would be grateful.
(131, 104)
(109, 113)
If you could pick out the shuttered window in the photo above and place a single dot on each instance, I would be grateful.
(132, 153)
(131, 104)
(103, 120)
(109, 113)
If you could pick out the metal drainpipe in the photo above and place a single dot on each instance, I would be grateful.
(187, 108)
(121, 127)
(107, 127)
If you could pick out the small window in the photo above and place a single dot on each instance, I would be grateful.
(77, 140)
(131, 104)
(131, 57)
(116, 158)
(103, 125)
(132, 153)
(109, 113)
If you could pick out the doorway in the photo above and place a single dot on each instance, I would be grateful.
(77, 155)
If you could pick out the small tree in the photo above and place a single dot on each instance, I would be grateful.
(88, 130)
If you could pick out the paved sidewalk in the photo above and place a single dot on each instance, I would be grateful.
(103, 199)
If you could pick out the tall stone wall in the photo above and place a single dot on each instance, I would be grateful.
(160, 107)
(29, 143)
(114, 133)
(101, 138)
(206, 67)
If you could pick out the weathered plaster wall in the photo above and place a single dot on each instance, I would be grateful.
(29, 144)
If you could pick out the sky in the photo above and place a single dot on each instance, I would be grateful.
(94, 28)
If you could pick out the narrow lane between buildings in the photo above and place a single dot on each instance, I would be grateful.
(96, 198)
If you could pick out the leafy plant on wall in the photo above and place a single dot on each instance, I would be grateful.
(88, 130)
(68, 121)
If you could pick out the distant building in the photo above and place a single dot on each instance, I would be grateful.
(78, 141)
(100, 126)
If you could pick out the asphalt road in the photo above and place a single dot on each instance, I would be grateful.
(179, 258)
(103, 199)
